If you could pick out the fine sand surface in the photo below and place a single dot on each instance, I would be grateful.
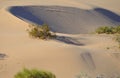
(75, 50)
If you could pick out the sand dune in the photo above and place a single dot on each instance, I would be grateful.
(67, 20)
(73, 51)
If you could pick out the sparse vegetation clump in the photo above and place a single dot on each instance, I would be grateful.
(108, 30)
(40, 31)
(26, 73)
(105, 29)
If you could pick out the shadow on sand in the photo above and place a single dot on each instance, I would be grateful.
(69, 40)
(67, 20)
(22, 13)
(2, 56)
(111, 15)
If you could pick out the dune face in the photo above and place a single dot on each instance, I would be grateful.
(72, 52)
(67, 20)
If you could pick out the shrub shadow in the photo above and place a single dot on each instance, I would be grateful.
(68, 40)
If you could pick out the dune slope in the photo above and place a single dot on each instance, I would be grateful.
(68, 55)
(67, 20)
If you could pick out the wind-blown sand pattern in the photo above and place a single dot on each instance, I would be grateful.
(74, 50)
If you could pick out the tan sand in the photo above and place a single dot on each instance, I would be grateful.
(67, 56)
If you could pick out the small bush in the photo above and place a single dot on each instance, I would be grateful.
(108, 30)
(105, 29)
(41, 32)
(117, 29)
(26, 73)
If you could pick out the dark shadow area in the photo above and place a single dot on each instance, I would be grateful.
(2, 56)
(69, 40)
(22, 13)
(88, 60)
(67, 20)
(111, 15)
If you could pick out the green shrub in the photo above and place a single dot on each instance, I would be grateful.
(26, 73)
(117, 29)
(105, 29)
(108, 30)
(41, 32)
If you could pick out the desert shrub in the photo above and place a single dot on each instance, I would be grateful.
(108, 30)
(41, 32)
(104, 29)
(117, 29)
(26, 73)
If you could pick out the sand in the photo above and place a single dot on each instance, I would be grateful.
(74, 51)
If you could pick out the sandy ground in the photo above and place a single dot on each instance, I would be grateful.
(67, 56)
